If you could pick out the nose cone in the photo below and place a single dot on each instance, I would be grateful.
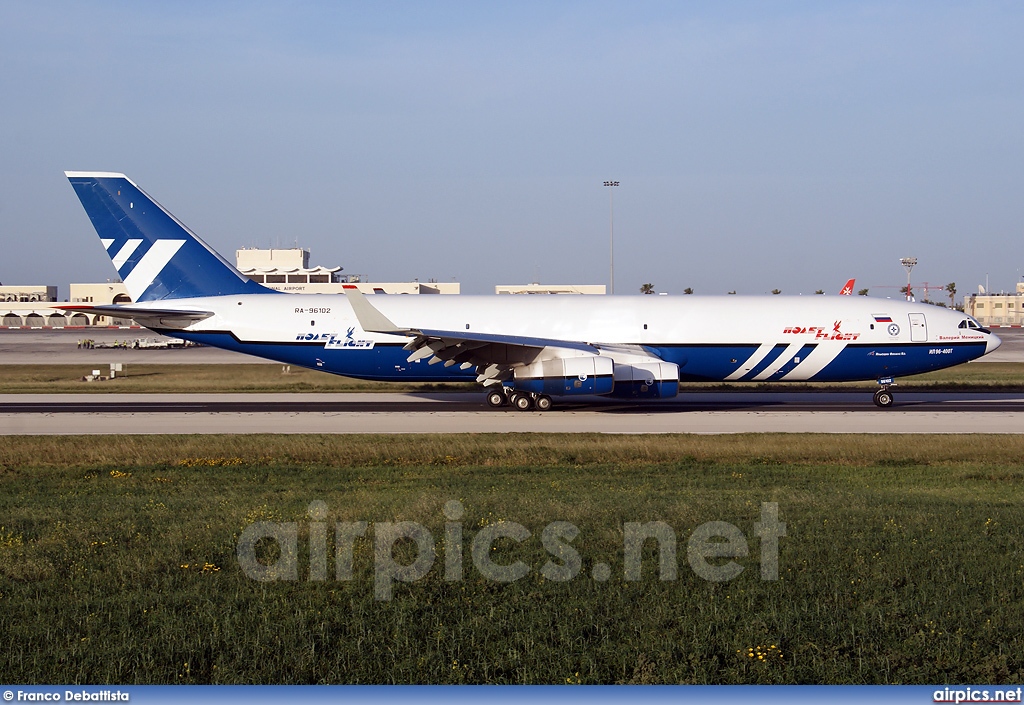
(993, 343)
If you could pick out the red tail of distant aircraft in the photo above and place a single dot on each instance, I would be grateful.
(847, 289)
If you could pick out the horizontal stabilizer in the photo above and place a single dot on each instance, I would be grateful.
(148, 317)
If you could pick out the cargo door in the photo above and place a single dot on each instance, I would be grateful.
(918, 328)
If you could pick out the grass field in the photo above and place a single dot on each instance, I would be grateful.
(185, 379)
(903, 560)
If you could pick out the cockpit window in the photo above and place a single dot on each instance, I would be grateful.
(970, 323)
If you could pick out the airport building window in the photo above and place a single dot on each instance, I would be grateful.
(319, 279)
(275, 279)
(258, 278)
(297, 279)
(997, 306)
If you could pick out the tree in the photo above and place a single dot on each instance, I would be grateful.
(647, 288)
(732, 292)
(862, 292)
(687, 290)
(776, 291)
(820, 291)
(951, 290)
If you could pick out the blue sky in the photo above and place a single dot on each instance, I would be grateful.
(758, 145)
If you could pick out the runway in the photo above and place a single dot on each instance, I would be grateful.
(717, 412)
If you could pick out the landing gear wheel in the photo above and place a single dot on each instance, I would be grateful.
(883, 398)
(543, 402)
(496, 399)
(522, 402)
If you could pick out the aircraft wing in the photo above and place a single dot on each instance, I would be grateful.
(493, 355)
(148, 317)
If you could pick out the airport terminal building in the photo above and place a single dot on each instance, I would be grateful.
(535, 288)
(288, 270)
(19, 310)
(995, 310)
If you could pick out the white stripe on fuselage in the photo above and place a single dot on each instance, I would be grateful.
(753, 361)
(791, 350)
(815, 362)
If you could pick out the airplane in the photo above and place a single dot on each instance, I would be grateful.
(524, 350)
(847, 289)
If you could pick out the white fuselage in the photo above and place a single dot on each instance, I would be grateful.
(722, 337)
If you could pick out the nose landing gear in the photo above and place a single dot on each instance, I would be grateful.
(883, 397)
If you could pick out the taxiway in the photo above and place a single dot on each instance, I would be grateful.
(706, 412)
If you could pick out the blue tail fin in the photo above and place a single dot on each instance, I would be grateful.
(156, 256)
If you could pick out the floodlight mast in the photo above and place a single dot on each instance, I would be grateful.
(909, 263)
(611, 236)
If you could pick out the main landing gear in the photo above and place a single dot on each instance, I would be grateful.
(883, 397)
(496, 398)
(521, 401)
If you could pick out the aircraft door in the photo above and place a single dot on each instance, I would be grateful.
(918, 328)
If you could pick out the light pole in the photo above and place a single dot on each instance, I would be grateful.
(908, 264)
(611, 235)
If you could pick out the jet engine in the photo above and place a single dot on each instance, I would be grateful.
(588, 374)
(646, 380)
